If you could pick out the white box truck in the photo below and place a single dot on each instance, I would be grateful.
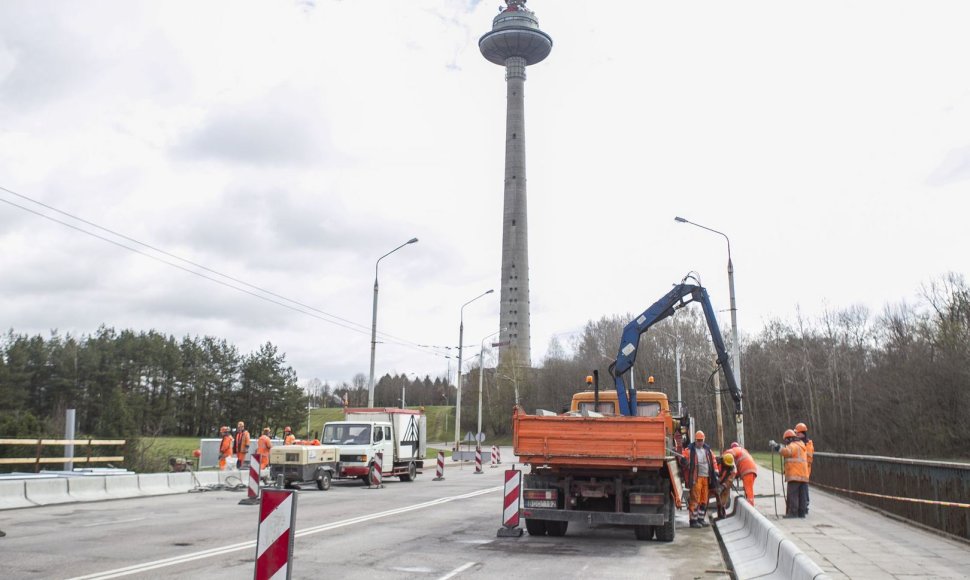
(399, 433)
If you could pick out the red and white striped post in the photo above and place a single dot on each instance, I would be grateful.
(376, 481)
(440, 471)
(494, 458)
(510, 507)
(274, 537)
(478, 460)
(498, 453)
(252, 491)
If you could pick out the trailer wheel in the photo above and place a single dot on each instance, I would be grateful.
(665, 533)
(556, 528)
(536, 527)
(323, 481)
(644, 533)
(412, 472)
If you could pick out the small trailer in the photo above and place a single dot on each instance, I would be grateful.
(304, 464)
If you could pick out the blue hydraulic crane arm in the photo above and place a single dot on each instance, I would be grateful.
(681, 295)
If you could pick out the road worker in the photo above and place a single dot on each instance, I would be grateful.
(288, 437)
(796, 474)
(802, 431)
(263, 445)
(726, 474)
(746, 469)
(242, 445)
(225, 447)
(698, 465)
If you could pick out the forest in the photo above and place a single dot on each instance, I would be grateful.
(896, 382)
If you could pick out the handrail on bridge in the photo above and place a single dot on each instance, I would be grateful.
(37, 460)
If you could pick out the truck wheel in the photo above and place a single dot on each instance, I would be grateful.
(536, 527)
(556, 528)
(323, 481)
(665, 533)
(643, 533)
(412, 472)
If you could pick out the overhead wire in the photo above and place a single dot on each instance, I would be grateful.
(300, 307)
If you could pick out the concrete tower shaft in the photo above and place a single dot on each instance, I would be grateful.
(515, 42)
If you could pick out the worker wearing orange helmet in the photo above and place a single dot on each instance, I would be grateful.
(225, 447)
(263, 445)
(747, 469)
(796, 474)
(242, 445)
(801, 430)
(699, 467)
(727, 472)
(288, 437)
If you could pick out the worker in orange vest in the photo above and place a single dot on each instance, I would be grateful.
(242, 444)
(225, 447)
(802, 431)
(747, 469)
(727, 472)
(796, 474)
(288, 437)
(701, 478)
(263, 445)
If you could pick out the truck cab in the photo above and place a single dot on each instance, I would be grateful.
(359, 442)
(398, 434)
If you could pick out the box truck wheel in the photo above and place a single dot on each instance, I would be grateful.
(323, 481)
(556, 528)
(412, 472)
(535, 527)
(665, 533)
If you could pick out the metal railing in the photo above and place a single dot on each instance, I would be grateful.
(78, 457)
(932, 493)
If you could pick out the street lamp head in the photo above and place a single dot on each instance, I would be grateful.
(680, 219)
(413, 241)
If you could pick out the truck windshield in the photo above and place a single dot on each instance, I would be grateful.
(346, 434)
(648, 409)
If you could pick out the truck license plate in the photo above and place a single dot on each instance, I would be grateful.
(541, 503)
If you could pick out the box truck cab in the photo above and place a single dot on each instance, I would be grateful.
(398, 433)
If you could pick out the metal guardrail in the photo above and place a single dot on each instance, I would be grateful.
(932, 493)
(37, 459)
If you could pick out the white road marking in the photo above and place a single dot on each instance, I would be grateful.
(112, 522)
(457, 571)
(145, 567)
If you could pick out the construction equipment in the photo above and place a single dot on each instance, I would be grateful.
(612, 459)
(298, 464)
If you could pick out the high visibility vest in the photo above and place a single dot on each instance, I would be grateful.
(263, 446)
(225, 448)
(796, 464)
(743, 461)
(289, 439)
(242, 442)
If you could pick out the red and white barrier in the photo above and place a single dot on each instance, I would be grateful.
(378, 478)
(274, 538)
(494, 458)
(252, 491)
(478, 460)
(498, 453)
(440, 471)
(510, 507)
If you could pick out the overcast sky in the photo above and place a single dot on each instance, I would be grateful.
(290, 143)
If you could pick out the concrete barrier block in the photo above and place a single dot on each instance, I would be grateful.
(48, 491)
(89, 488)
(153, 484)
(231, 477)
(13, 495)
(179, 482)
(121, 486)
(207, 477)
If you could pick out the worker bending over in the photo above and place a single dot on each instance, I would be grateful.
(746, 469)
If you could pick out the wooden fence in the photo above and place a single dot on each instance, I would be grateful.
(79, 456)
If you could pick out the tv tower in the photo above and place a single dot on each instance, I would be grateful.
(515, 42)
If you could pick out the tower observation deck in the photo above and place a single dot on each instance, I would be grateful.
(515, 42)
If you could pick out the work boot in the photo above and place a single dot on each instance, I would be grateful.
(695, 524)
(703, 523)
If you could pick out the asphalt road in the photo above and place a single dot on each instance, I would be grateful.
(423, 529)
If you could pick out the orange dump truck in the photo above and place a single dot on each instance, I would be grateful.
(594, 466)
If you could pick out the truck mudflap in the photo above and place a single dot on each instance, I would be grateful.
(675, 482)
(625, 519)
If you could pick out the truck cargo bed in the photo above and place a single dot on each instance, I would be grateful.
(589, 442)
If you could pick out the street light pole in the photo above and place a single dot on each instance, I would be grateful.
(736, 347)
(373, 327)
(461, 339)
(481, 373)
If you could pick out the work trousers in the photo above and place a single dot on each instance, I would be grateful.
(748, 481)
(797, 499)
(699, 494)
